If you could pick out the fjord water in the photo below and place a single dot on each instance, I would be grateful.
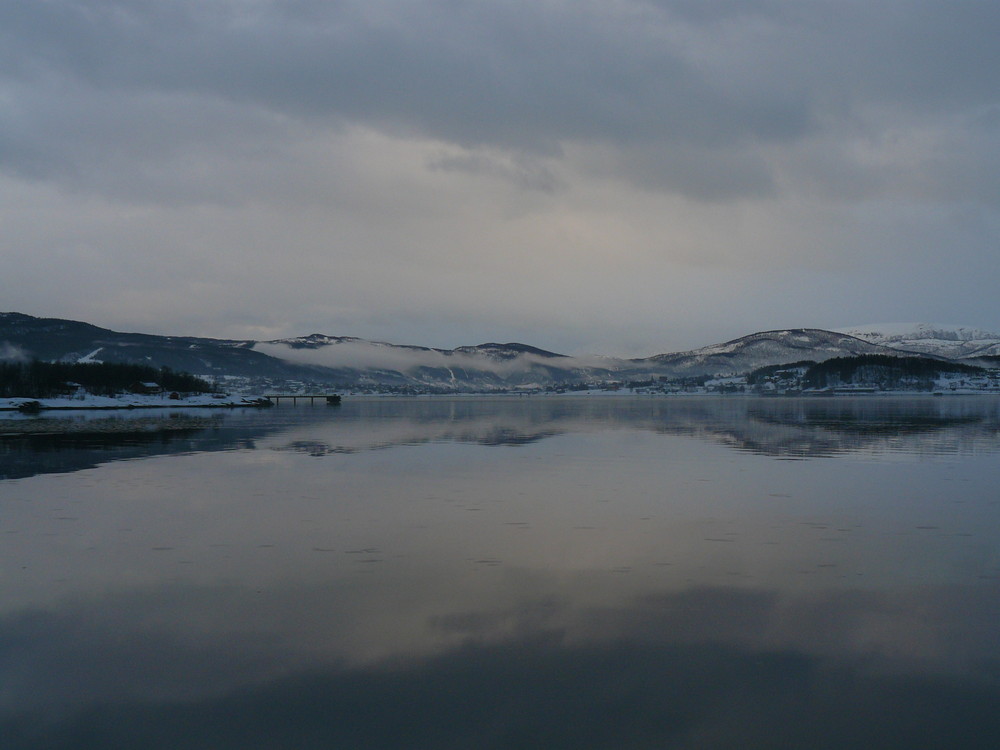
(508, 572)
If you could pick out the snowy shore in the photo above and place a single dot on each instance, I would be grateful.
(131, 401)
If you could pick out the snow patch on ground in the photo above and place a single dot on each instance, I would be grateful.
(130, 401)
(87, 358)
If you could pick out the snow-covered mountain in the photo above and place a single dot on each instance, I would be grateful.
(505, 365)
(344, 361)
(486, 366)
(951, 341)
(26, 337)
(767, 348)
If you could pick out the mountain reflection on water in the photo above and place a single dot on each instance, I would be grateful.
(31, 445)
(800, 428)
(510, 573)
(779, 427)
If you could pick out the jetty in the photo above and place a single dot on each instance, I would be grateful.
(330, 398)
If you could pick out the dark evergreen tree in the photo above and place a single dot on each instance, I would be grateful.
(37, 379)
(881, 370)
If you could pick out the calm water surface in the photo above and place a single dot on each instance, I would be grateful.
(506, 573)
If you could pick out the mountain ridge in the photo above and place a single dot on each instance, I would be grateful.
(346, 361)
(951, 341)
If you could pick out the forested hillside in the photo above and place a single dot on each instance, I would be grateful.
(38, 379)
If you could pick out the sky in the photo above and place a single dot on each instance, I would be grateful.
(624, 177)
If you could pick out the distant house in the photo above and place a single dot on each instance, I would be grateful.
(147, 388)
(69, 388)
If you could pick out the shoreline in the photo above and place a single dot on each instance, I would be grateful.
(134, 407)
(34, 406)
(107, 403)
(11, 406)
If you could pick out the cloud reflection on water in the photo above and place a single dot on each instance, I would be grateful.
(696, 668)
(515, 573)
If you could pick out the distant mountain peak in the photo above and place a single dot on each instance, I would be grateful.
(952, 341)
(313, 341)
(767, 348)
(949, 331)
(510, 350)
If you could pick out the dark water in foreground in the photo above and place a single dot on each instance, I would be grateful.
(507, 573)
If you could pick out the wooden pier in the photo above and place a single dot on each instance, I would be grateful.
(329, 398)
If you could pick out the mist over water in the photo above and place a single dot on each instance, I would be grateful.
(508, 572)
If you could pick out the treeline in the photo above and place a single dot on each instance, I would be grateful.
(881, 370)
(37, 379)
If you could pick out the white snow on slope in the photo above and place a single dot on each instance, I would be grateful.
(954, 341)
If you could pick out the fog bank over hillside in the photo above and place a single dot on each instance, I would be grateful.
(361, 355)
(320, 360)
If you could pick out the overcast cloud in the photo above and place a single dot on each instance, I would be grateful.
(625, 177)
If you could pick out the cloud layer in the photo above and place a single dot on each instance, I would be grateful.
(626, 177)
